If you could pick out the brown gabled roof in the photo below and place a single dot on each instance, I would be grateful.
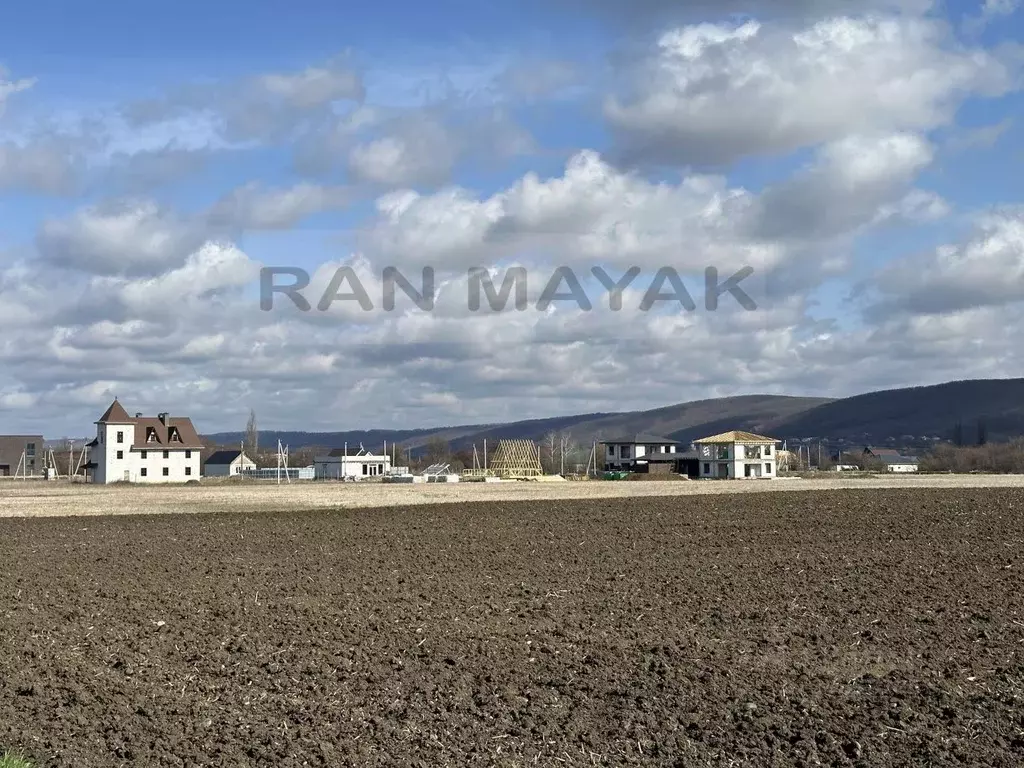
(145, 427)
(161, 434)
(737, 436)
(115, 414)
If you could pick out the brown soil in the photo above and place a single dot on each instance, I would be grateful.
(852, 628)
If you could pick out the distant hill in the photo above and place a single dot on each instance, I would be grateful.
(683, 422)
(905, 416)
(917, 412)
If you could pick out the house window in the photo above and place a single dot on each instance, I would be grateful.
(175, 437)
(120, 454)
(625, 451)
(611, 450)
(768, 469)
(365, 469)
(188, 471)
(167, 454)
(767, 450)
(166, 471)
(188, 454)
(150, 435)
(143, 454)
(707, 468)
(142, 471)
(120, 437)
(30, 449)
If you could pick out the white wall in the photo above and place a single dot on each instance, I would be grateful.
(736, 462)
(337, 467)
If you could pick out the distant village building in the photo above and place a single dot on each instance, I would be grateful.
(634, 452)
(891, 459)
(737, 454)
(227, 464)
(900, 463)
(341, 464)
(21, 455)
(143, 449)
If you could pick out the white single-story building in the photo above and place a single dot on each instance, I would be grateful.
(737, 454)
(341, 465)
(227, 464)
(899, 463)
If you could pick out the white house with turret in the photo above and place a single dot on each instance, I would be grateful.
(143, 449)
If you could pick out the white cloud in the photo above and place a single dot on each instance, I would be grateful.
(713, 93)
(256, 207)
(596, 214)
(314, 86)
(422, 153)
(130, 297)
(269, 107)
(121, 237)
(10, 87)
(41, 165)
(986, 270)
(990, 11)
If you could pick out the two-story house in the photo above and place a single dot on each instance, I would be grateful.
(737, 454)
(143, 449)
(631, 453)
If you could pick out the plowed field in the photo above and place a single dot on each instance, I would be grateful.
(846, 628)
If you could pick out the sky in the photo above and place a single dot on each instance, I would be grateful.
(854, 168)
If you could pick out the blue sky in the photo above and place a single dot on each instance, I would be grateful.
(867, 163)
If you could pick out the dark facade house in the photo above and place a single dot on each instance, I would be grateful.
(679, 463)
(649, 454)
(21, 455)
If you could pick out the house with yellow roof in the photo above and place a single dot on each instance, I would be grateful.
(737, 455)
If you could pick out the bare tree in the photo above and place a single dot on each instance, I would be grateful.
(251, 443)
(566, 447)
(437, 451)
(548, 449)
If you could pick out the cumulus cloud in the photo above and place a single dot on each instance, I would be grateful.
(421, 146)
(846, 188)
(39, 165)
(256, 207)
(161, 307)
(716, 92)
(420, 151)
(120, 237)
(596, 214)
(986, 270)
(266, 107)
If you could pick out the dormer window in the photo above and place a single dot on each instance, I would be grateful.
(150, 435)
(175, 437)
